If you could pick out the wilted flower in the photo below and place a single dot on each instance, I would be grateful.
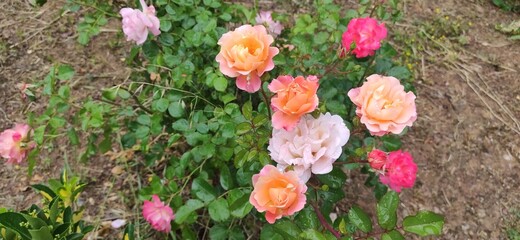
(274, 27)
(400, 171)
(246, 54)
(158, 214)
(277, 193)
(383, 105)
(137, 23)
(366, 34)
(294, 98)
(14, 143)
(311, 147)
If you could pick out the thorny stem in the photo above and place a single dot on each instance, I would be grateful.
(366, 70)
(324, 222)
(266, 100)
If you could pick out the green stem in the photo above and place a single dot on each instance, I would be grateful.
(266, 101)
(366, 70)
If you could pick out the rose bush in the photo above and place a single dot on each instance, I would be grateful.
(208, 148)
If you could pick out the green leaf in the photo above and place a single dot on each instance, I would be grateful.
(387, 210)
(399, 72)
(161, 105)
(287, 229)
(12, 221)
(73, 136)
(226, 180)
(219, 210)
(335, 179)
(203, 190)
(218, 232)
(360, 219)
(129, 232)
(392, 235)
(391, 142)
(38, 134)
(424, 223)
(144, 119)
(175, 109)
(43, 233)
(220, 84)
(269, 233)
(188, 208)
(239, 203)
(307, 218)
(65, 72)
(312, 234)
(247, 110)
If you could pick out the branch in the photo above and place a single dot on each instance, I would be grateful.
(324, 222)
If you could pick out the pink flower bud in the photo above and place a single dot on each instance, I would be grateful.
(377, 159)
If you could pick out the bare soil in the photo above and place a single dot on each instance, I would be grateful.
(466, 140)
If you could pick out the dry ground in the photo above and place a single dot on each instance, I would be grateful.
(466, 140)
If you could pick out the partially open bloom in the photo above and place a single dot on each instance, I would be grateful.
(383, 105)
(274, 27)
(158, 214)
(366, 34)
(277, 193)
(14, 143)
(377, 159)
(311, 147)
(137, 23)
(294, 98)
(246, 54)
(400, 171)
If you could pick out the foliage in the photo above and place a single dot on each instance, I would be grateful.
(60, 217)
(201, 140)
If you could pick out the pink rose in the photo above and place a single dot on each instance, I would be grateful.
(14, 143)
(400, 171)
(158, 214)
(274, 27)
(377, 159)
(277, 193)
(383, 105)
(136, 23)
(366, 34)
(294, 98)
(246, 54)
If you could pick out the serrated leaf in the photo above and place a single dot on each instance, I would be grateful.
(335, 179)
(360, 219)
(188, 208)
(219, 210)
(425, 223)
(387, 210)
(226, 180)
(203, 190)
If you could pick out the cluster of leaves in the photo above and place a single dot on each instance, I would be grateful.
(94, 18)
(200, 139)
(60, 218)
(508, 5)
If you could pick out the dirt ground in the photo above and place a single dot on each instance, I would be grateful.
(466, 140)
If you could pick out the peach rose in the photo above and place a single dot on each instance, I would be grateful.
(383, 105)
(277, 193)
(245, 53)
(294, 98)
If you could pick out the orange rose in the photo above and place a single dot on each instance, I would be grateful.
(383, 105)
(246, 54)
(277, 193)
(294, 98)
